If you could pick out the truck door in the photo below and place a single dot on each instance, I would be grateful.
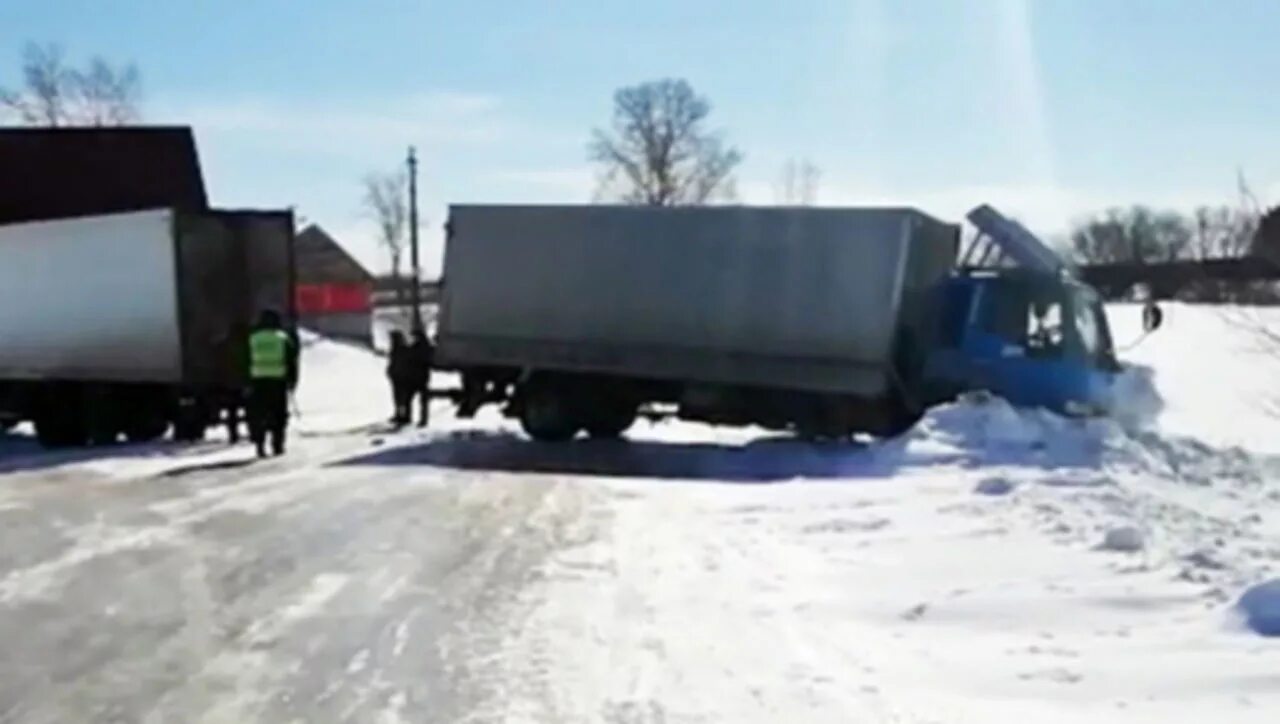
(1023, 345)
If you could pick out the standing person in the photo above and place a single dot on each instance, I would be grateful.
(400, 374)
(273, 373)
(232, 402)
(232, 359)
(423, 354)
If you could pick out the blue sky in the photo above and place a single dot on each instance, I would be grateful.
(1047, 108)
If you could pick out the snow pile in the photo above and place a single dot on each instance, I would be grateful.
(1135, 402)
(994, 487)
(985, 430)
(1260, 607)
(1124, 539)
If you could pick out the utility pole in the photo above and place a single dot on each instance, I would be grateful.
(415, 293)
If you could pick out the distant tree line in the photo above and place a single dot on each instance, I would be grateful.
(1140, 235)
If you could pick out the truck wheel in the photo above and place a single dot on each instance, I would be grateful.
(191, 422)
(609, 422)
(188, 430)
(145, 413)
(59, 418)
(141, 428)
(60, 428)
(101, 413)
(896, 419)
(546, 415)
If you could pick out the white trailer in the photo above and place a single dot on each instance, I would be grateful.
(125, 324)
(90, 298)
(785, 317)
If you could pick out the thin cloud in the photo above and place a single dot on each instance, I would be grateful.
(1047, 209)
(440, 117)
(572, 183)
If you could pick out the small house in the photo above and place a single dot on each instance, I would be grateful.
(334, 293)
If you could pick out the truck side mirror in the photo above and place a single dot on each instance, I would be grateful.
(1152, 317)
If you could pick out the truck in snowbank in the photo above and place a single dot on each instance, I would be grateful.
(130, 324)
(822, 321)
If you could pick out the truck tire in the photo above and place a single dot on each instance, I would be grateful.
(547, 415)
(101, 410)
(187, 429)
(59, 417)
(144, 428)
(60, 428)
(145, 413)
(609, 421)
(191, 421)
(897, 418)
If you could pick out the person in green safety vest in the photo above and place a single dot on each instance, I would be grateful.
(273, 374)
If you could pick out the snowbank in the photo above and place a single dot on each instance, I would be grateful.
(994, 487)
(987, 430)
(1124, 539)
(1135, 402)
(1214, 370)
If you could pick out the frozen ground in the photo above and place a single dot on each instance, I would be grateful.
(992, 565)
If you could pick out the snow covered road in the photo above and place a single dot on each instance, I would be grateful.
(885, 587)
(990, 566)
(267, 592)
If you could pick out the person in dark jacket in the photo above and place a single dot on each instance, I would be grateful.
(422, 352)
(273, 374)
(400, 373)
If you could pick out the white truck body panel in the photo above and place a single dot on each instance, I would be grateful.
(91, 298)
(798, 298)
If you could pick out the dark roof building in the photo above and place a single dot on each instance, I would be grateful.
(322, 260)
(53, 173)
(333, 289)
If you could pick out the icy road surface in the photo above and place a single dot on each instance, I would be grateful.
(990, 566)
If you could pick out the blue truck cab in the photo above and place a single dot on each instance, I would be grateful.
(1023, 327)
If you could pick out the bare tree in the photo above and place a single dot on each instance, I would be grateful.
(53, 93)
(386, 202)
(46, 81)
(799, 183)
(659, 151)
(1222, 232)
(105, 95)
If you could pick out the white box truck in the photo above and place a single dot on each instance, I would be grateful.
(129, 324)
(822, 321)
(793, 318)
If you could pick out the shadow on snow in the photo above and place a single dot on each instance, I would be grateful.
(767, 460)
(21, 453)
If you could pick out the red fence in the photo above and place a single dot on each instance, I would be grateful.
(332, 298)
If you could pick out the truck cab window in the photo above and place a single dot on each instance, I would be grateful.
(1044, 328)
(1005, 312)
